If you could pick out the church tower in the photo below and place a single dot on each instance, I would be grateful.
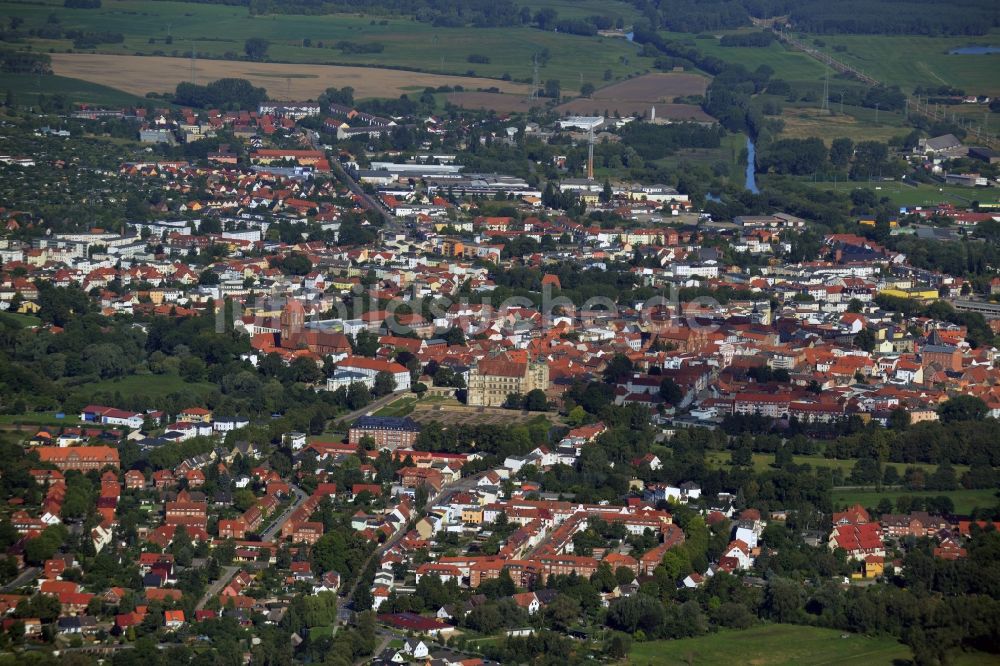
(293, 319)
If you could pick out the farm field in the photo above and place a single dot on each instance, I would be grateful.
(139, 75)
(639, 94)
(772, 645)
(219, 31)
(632, 96)
(583, 8)
(910, 61)
(27, 88)
(964, 500)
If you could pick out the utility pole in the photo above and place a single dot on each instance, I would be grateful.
(590, 155)
(194, 74)
(876, 113)
(534, 78)
(826, 90)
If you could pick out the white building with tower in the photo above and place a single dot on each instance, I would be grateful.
(584, 123)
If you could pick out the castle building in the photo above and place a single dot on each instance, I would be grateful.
(492, 379)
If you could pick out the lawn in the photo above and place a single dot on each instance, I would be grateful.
(39, 419)
(19, 320)
(772, 645)
(152, 386)
(965, 500)
(400, 407)
(220, 31)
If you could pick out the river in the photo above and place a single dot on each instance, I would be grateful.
(751, 182)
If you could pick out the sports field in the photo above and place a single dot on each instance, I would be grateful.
(772, 645)
(922, 195)
(764, 461)
(138, 75)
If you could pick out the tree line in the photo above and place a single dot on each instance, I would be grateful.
(221, 94)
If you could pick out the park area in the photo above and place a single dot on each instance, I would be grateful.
(772, 645)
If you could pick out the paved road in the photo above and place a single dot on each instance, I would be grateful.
(27, 576)
(275, 528)
(344, 614)
(367, 201)
(216, 587)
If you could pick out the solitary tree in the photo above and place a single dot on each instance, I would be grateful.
(256, 48)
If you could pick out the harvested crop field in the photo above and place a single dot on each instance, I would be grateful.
(499, 102)
(656, 87)
(636, 96)
(139, 75)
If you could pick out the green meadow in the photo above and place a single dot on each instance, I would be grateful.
(910, 61)
(774, 645)
(27, 88)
